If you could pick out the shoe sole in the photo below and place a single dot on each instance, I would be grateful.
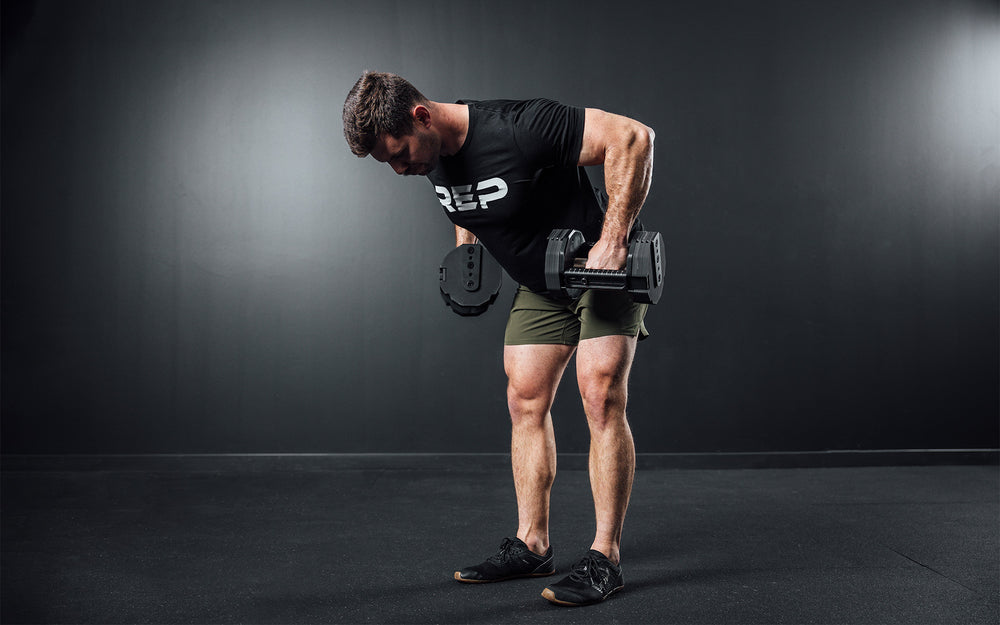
(458, 577)
(551, 596)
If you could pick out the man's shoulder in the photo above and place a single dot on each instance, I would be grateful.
(528, 119)
(511, 107)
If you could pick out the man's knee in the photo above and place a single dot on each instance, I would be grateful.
(529, 401)
(603, 366)
(604, 397)
(533, 373)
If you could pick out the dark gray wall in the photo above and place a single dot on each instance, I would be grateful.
(194, 262)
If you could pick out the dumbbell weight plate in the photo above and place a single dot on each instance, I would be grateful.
(469, 279)
(645, 267)
(560, 255)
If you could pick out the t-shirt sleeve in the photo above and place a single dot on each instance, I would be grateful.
(549, 133)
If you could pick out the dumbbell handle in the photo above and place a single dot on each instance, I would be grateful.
(609, 279)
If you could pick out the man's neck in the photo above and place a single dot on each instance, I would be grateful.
(452, 121)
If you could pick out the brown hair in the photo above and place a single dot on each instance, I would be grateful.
(378, 103)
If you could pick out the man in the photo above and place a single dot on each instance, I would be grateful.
(507, 174)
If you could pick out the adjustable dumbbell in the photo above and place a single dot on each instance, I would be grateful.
(566, 273)
(470, 279)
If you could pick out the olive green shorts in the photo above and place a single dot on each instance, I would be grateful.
(539, 320)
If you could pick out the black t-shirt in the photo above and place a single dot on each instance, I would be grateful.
(516, 178)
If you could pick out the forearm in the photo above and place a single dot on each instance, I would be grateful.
(625, 148)
(628, 170)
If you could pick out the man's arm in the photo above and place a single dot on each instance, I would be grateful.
(625, 148)
(464, 237)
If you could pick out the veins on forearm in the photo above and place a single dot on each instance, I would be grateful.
(627, 177)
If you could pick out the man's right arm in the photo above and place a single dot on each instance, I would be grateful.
(464, 237)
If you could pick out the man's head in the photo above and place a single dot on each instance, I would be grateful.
(387, 117)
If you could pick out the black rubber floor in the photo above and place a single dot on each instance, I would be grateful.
(197, 545)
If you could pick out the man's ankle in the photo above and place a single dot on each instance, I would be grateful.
(610, 552)
(538, 546)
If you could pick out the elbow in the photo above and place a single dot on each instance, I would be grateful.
(641, 138)
(647, 137)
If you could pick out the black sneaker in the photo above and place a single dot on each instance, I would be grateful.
(512, 559)
(593, 579)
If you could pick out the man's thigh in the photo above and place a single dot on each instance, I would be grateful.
(534, 371)
(605, 361)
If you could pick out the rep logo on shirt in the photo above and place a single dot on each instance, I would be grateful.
(465, 198)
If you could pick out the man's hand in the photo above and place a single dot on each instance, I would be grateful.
(607, 255)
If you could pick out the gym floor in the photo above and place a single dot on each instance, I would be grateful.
(309, 540)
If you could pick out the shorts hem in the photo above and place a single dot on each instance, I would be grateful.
(538, 342)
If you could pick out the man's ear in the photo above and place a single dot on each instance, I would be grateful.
(422, 115)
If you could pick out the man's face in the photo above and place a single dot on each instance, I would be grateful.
(414, 154)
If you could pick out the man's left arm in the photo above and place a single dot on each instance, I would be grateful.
(625, 148)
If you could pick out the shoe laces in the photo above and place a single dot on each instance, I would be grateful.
(504, 554)
(587, 570)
